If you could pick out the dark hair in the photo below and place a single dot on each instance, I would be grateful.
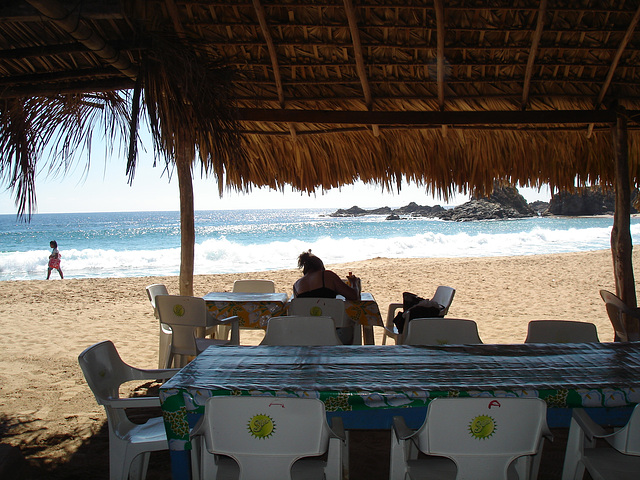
(308, 262)
(54, 243)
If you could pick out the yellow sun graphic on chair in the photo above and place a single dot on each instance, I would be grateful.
(315, 311)
(261, 426)
(178, 310)
(482, 427)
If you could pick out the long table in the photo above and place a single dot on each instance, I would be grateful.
(374, 383)
(255, 309)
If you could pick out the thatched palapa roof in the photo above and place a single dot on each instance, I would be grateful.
(452, 95)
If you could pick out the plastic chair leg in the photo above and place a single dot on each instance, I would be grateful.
(139, 466)
(573, 468)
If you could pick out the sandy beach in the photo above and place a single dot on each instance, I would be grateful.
(48, 411)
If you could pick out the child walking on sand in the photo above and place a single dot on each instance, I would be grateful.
(54, 259)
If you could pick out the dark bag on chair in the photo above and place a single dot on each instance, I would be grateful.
(414, 306)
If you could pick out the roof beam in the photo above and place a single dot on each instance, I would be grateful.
(27, 52)
(533, 53)
(439, 7)
(78, 29)
(87, 74)
(538, 117)
(68, 88)
(618, 55)
(614, 63)
(271, 48)
(359, 57)
(16, 11)
(172, 9)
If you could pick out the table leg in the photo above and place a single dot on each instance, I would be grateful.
(180, 464)
(367, 335)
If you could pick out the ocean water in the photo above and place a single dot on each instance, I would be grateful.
(148, 243)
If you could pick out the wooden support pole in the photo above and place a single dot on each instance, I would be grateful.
(621, 244)
(187, 222)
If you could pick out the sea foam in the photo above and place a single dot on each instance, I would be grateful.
(233, 244)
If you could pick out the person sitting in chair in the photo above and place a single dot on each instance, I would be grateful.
(318, 282)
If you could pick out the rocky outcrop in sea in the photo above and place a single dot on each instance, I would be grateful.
(585, 201)
(504, 202)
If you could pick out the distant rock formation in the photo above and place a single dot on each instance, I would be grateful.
(412, 209)
(504, 202)
(585, 201)
(539, 206)
(415, 210)
(356, 211)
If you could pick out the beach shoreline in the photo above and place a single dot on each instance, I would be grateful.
(49, 412)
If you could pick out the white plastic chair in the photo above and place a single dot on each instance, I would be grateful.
(267, 438)
(561, 331)
(441, 331)
(301, 330)
(129, 443)
(254, 286)
(164, 334)
(189, 321)
(443, 296)
(620, 461)
(327, 307)
(616, 310)
(479, 438)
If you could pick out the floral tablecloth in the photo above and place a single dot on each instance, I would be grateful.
(254, 309)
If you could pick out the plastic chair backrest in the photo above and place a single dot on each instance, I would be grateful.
(483, 435)
(301, 330)
(183, 314)
(153, 291)
(627, 439)
(615, 308)
(254, 286)
(441, 331)
(561, 331)
(265, 435)
(104, 372)
(321, 307)
(444, 296)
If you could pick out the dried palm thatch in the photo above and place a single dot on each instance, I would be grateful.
(190, 112)
(61, 127)
(450, 95)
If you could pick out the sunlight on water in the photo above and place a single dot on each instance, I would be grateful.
(148, 243)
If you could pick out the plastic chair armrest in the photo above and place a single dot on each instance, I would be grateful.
(198, 429)
(228, 320)
(155, 374)
(590, 428)
(234, 321)
(391, 313)
(337, 429)
(133, 402)
(401, 430)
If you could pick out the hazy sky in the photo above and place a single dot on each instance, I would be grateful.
(105, 189)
